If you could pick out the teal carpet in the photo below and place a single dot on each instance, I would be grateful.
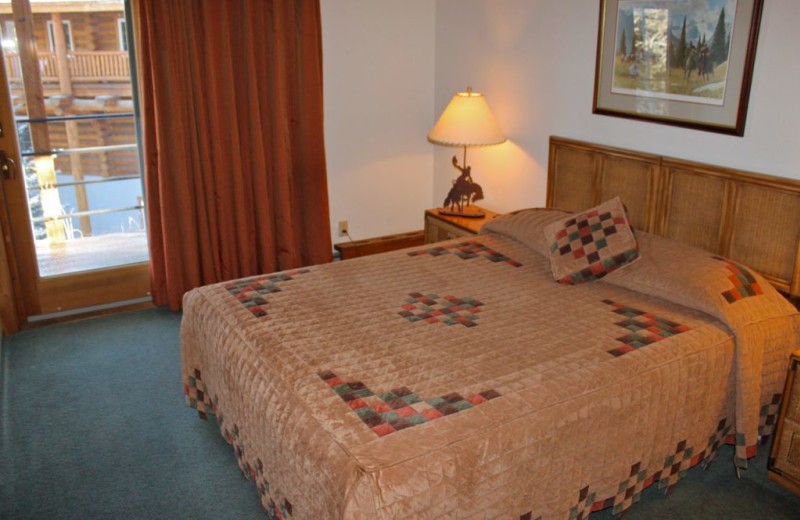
(94, 426)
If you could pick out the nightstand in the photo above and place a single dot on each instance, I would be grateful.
(783, 465)
(371, 246)
(444, 227)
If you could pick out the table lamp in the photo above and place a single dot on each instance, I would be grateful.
(467, 121)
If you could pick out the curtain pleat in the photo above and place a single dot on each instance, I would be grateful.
(234, 156)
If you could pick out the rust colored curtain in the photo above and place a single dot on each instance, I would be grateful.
(234, 156)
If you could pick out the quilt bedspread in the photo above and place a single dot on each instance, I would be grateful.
(458, 380)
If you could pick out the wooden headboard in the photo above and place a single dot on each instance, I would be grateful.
(749, 217)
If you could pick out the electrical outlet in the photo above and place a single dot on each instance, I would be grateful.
(344, 229)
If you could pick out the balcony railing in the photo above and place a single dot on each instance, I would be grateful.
(83, 66)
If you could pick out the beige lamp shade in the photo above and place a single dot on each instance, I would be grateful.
(467, 121)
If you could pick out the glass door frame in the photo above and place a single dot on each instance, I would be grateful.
(19, 270)
(24, 293)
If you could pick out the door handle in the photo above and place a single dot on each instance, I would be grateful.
(7, 166)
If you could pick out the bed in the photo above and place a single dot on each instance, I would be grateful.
(460, 380)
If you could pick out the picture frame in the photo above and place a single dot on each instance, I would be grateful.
(687, 63)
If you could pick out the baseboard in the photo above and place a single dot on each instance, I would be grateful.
(89, 312)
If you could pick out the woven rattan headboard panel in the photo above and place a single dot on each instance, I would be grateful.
(752, 218)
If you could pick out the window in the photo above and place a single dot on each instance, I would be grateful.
(122, 30)
(10, 37)
(67, 35)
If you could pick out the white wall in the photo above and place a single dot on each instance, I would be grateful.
(378, 87)
(391, 67)
(535, 59)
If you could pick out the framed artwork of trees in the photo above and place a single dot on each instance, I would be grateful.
(687, 63)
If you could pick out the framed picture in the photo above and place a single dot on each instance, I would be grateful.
(679, 62)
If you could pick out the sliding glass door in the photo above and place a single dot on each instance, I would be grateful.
(72, 188)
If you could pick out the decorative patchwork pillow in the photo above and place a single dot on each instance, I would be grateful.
(589, 245)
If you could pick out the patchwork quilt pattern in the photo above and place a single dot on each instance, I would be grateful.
(675, 466)
(630, 489)
(588, 237)
(639, 478)
(399, 408)
(201, 401)
(769, 415)
(581, 510)
(251, 292)
(589, 245)
(196, 393)
(448, 309)
(645, 328)
(466, 251)
(434, 421)
(600, 269)
(255, 471)
(744, 283)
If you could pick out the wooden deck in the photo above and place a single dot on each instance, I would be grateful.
(91, 253)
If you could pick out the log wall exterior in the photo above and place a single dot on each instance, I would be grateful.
(99, 77)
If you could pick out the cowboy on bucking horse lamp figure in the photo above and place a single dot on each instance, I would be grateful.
(467, 121)
(464, 191)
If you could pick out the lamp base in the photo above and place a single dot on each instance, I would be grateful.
(467, 212)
